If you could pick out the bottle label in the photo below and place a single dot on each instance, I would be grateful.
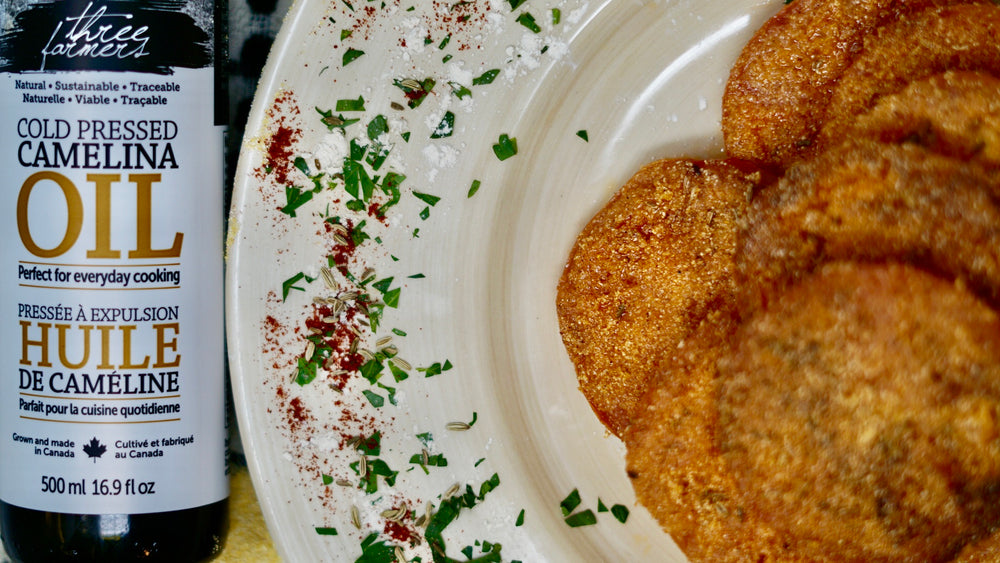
(112, 393)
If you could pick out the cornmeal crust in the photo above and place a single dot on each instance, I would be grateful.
(643, 273)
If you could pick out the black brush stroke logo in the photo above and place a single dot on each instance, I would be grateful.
(152, 36)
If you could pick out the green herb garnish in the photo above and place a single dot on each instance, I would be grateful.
(582, 133)
(437, 368)
(570, 503)
(583, 518)
(352, 55)
(446, 127)
(374, 398)
(459, 91)
(505, 147)
(427, 198)
(351, 105)
(295, 197)
(289, 285)
(620, 512)
(520, 519)
(448, 511)
(374, 551)
(528, 21)
(486, 77)
(323, 531)
(474, 188)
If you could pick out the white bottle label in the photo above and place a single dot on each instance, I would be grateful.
(111, 310)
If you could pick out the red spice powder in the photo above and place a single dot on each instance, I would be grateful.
(295, 414)
(279, 154)
(399, 532)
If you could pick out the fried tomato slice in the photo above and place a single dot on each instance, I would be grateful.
(956, 113)
(643, 273)
(984, 551)
(674, 462)
(961, 37)
(858, 414)
(778, 90)
(872, 201)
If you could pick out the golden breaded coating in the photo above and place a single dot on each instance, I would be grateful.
(674, 462)
(871, 201)
(985, 551)
(956, 113)
(643, 273)
(778, 90)
(858, 415)
(962, 37)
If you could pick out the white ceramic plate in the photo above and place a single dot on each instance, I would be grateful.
(476, 275)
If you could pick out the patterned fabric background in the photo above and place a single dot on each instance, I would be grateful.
(252, 27)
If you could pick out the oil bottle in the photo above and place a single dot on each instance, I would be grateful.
(112, 402)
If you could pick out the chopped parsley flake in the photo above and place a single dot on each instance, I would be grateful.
(486, 77)
(582, 133)
(289, 284)
(427, 198)
(505, 147)
(556, 16)
(306, 371)
(375, 551)
(587, 517)
(448, 511)
(398, 374)
(474, 188)
(570, 503)
(436, 460)
(351, 105)
(446, 127)
(583, 518)
(374, 398)
(620, 512)
(437, 368)
(520, 519)
(514, 4)
(459, 91)
(324, 531)
(295, 197)
(391, 297)
(528, 21)
(371, 370)
(352, 55)
(379, 125)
